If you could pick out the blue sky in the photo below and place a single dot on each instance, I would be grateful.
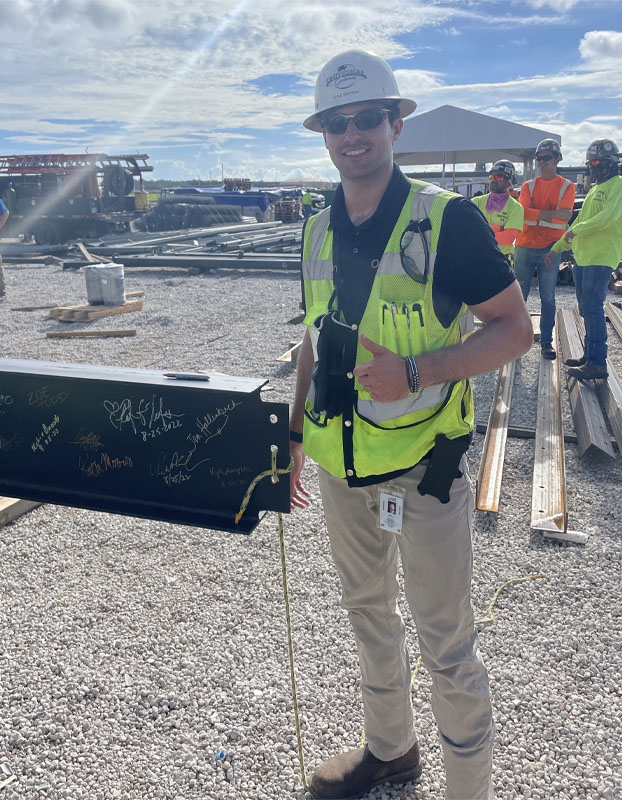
(223, 85)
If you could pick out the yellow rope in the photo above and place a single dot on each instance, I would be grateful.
(484, 621)
(489, 617)
(290, 649)
(274, 473)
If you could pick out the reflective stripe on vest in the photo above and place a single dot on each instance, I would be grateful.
(559, 225)
(400, 315)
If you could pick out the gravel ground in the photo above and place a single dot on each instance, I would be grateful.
(134, 652)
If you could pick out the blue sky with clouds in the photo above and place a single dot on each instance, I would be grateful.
(223, 85)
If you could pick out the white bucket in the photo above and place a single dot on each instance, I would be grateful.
(105, 284)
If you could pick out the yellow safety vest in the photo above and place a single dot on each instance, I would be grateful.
(380, 438)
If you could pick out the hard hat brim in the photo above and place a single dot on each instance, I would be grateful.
(406, 107)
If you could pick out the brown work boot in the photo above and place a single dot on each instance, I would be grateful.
(354, 773)
(588, 372)
(576, 362)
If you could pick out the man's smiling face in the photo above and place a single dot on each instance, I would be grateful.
(361, 154)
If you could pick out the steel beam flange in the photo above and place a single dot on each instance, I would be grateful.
(587, 415)
(491, 463)
(548, 499)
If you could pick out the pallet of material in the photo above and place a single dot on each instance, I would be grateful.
(87, 312)
(11, 508)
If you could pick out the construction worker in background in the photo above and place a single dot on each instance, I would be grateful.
(504, 213)
(307, 204)
(596, 241)
(548, 202)
(4, 215)
(384, 406)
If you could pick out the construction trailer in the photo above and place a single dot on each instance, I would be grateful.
(58, 197)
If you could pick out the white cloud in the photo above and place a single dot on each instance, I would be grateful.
(602, 48)
(557, 5)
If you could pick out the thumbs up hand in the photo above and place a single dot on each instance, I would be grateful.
(384, 377)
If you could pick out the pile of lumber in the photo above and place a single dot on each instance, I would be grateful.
(87, 312)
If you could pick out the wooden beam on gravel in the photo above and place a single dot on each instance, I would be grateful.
(491, 463)
(519, 432)
(615, 317)
(535, 324)
(587, 415)
(88, 313)
(90, 334)
(291, 355)
(34, 308)
(609, 390)
(90, 256)
(11, 508)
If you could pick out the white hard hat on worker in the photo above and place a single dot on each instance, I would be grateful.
(355, 76)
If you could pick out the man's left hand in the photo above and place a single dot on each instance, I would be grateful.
(384, 377)
(548, 259)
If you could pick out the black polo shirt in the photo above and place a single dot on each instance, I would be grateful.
(469, 268)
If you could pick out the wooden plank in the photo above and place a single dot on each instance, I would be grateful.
(33, 308)
(292, 354)
(11, 508)
(519, 432)
(548, 498)
(535, 324)
(587, 415)
(609, 390)
(89, 334)
(491, 464)
(57, 311)
(99, 312)
(615, 317)
(89, 256)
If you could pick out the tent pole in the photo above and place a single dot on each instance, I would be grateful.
(444, 160)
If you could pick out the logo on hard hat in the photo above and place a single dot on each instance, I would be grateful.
(345, 76)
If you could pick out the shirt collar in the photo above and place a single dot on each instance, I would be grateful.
(339, 218)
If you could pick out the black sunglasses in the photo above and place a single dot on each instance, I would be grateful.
(409, 264)
(364, 120)
(544, 158)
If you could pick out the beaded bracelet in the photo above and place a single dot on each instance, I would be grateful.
(412, 375)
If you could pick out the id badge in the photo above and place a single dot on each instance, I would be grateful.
(391, 509)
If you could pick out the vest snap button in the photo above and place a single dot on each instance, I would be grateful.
(355, 327)
(348, 423)
(350, 375)
(349, 473)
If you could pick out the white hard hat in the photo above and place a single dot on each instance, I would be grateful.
(355, 76)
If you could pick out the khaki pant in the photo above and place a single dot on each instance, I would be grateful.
(435, 549)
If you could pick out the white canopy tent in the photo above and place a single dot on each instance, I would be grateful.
(449, 135)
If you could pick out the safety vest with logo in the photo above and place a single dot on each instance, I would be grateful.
(373, 438)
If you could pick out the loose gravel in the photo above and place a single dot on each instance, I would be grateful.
(145, 659)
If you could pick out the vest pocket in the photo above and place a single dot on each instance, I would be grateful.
(402, 327)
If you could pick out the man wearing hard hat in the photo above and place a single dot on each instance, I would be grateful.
(596, 241)
(548, 201)
(384, 405)
(503, 213)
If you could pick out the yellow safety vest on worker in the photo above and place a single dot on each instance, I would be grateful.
(387, 437)
(511, 217)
